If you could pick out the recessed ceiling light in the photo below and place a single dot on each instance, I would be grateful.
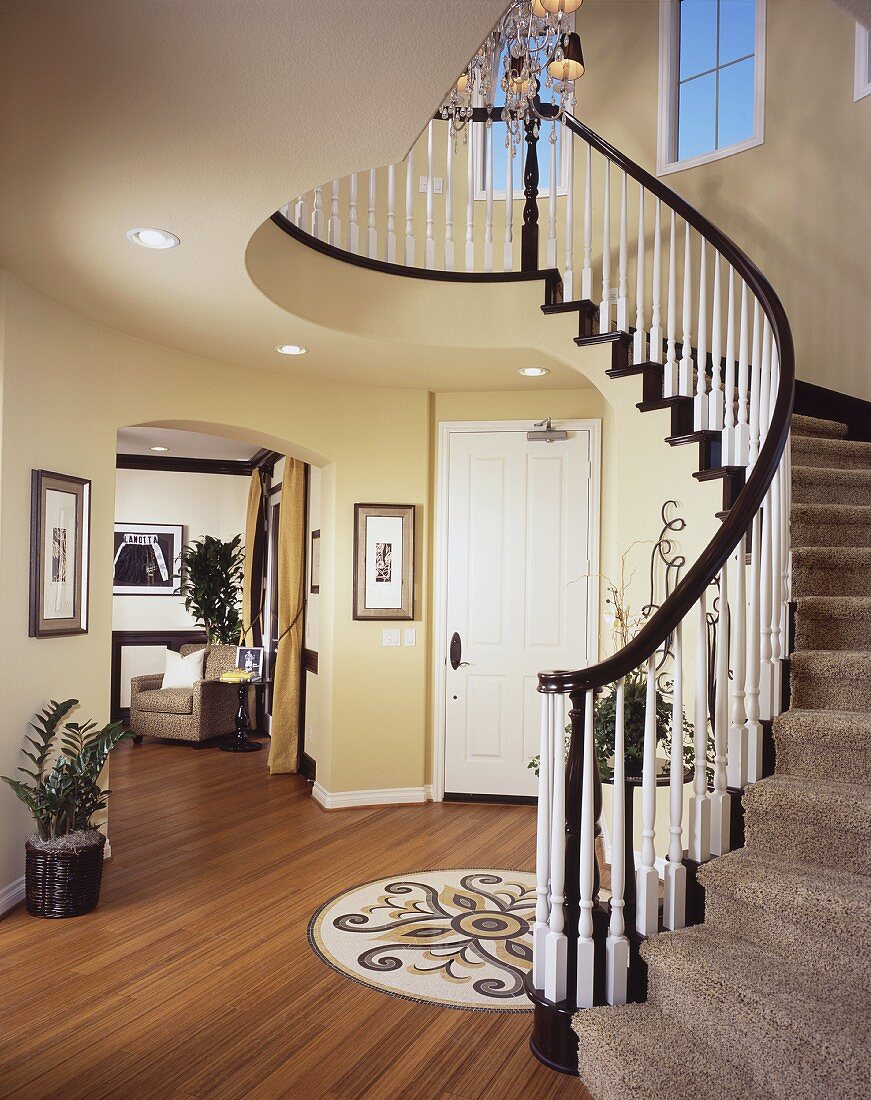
(290, 349)
(153, 238)
(533, 372)
(158, 448)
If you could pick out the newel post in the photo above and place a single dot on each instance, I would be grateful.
(529, 232)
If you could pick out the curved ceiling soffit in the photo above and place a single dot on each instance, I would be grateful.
(242, 434)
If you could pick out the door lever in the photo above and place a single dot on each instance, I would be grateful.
(456, 653)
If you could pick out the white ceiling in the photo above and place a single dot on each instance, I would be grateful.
(201, 117)
(139, 441)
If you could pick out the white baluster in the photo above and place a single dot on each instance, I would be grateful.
(776, 536)
(656, 355)
(670, 371)
(753, 727)
(700, 807)
(754, 384)
(390, 254)
(766, 668)
(605, 304)
(715, 397)
(647, 880)
(586, 948)
(470, 200)
(371, 231)
(587, 270)
(720, 798)
(409, 209)
(728, 436)
(685, 369)
(741, 442)
(334, 225)
(318, 214)
(488, 189)
(623, 264)
(508, 252)
(449, 205)
(353, 223)
(701, 403)
(785, 471)
(542, 846)
(675, 896)
(617, 945)
(736, 772)
(568, 271)
(639, 347)
(555, 971)
(301, 213)
(551, 206)
(429, 246)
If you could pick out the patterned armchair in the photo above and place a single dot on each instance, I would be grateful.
(196, 714)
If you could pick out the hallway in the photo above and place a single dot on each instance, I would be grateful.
(194, 979)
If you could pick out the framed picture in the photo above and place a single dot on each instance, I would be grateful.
(146, 559)
(383, 561)
(60, 530)
(315, 562)
(251, 659)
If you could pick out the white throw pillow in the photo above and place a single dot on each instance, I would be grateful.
(183, 672)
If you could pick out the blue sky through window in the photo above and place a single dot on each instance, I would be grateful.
(716, 75)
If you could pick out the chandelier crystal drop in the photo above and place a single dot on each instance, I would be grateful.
(533, 58)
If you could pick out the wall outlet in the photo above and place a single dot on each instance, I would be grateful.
(410, 636)
(437, 185)
(390, 637)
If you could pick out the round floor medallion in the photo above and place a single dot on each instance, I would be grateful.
(459, 938)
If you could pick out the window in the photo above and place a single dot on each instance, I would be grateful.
(863, 62)
(711, 80)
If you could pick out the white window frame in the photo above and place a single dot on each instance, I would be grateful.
(669, 60)
(862, 79)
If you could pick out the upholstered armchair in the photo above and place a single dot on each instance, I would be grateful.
(196, 714)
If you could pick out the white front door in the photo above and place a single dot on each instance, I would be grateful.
(521, 532)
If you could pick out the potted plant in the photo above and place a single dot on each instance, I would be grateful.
(211, 583)
(64, 857)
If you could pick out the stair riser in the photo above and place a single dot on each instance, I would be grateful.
(842, 632)
(831, 580)
(807, 532)
(813, 760)
(853, 489)
(818, 429)
(817, 841)
(835, 688)
(856, 456)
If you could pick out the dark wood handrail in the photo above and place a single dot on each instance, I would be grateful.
(736, 524)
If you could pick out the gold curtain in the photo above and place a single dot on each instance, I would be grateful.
(253, 528)
(284, 746)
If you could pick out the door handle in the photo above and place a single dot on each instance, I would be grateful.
(456, 653)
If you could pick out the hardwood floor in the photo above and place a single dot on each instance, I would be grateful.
(194, 977)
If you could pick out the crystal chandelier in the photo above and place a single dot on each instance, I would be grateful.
(532, 58)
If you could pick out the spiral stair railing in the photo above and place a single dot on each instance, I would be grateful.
(725, 375)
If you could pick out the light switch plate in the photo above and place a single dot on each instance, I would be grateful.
(390, 637)
(410, 636)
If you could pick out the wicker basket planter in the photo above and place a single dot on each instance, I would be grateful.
(64, 881)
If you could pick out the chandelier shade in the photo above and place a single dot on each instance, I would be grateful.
(568, 61)
(560, 7)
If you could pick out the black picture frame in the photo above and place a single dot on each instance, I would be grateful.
(160, 575)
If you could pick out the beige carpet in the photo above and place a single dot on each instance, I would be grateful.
(771, 996)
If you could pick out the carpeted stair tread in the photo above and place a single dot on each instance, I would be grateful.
(830, 454)
(793, 1045)
(823, 679)
(793, 911)
(832, 622)
(843, 525)
(816, 485)
(831, 571)
(811, 821)
(633, 1051)
(811, 425)
(824, 744)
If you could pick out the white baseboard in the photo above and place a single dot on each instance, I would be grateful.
(11, 895)
(387, 796)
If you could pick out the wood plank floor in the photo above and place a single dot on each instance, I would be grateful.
(194, 977)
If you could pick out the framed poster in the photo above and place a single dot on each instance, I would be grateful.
(60, 530)
(315, 559)
(383, 561)
(250, 659)
(146, 559)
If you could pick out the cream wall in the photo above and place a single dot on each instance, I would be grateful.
(206, 504)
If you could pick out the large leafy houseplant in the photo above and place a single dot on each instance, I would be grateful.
(65, 767)
(211, 583)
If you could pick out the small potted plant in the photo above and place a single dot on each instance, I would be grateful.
(64, 857)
